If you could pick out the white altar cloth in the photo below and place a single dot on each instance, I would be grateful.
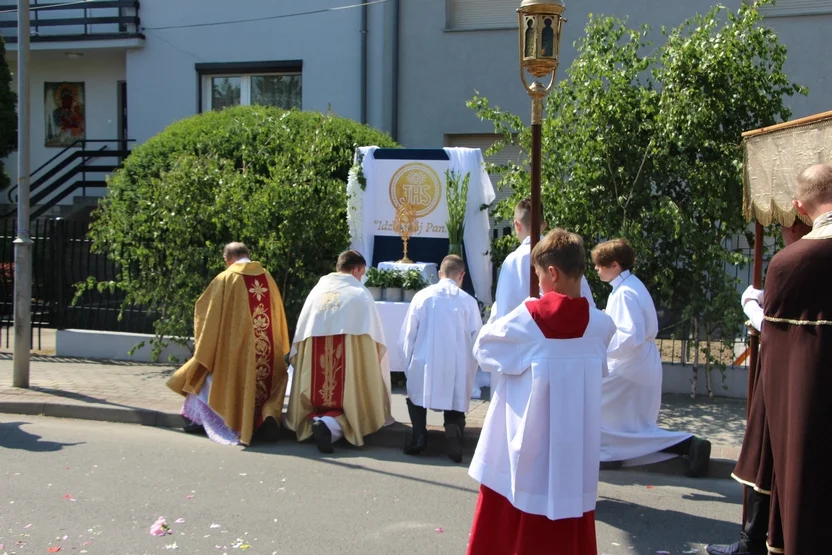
(428, 270)
(392, 317)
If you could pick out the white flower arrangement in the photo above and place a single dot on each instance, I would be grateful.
(355, 206)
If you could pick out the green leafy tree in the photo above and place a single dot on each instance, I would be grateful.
(273, 179)
(8, 114)
(643, 142)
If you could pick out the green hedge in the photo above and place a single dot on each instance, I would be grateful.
(273, 179)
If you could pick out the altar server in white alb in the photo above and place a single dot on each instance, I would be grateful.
(632, 393)
(515, 274)
(537, 458)
(436, 341)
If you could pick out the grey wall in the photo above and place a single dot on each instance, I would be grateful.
(163, 83)
(440, 69)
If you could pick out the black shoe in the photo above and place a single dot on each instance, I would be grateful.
(738, 548)
(193, 428)
(417, 444)
(323, 437)
(269, 431)
(699, 458)
(611, 465)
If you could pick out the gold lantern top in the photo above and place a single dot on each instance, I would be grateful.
(540, 25)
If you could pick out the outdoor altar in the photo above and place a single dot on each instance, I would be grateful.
(401, 220)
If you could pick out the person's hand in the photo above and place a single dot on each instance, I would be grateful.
(752, 294)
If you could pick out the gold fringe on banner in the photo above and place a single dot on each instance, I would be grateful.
(773, 157)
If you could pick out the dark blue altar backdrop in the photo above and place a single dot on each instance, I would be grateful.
(389, 249)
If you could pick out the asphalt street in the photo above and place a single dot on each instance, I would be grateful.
(74, 486)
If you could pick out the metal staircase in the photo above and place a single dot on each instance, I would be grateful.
(83, 165)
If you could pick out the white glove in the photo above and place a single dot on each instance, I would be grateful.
(752, 294)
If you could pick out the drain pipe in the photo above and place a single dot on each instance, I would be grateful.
(364, 63)
(394, 126)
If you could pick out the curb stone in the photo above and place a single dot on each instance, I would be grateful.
(393, 436)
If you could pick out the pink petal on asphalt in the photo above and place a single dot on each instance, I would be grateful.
(439, 530)
(179, 520)
(189, 497)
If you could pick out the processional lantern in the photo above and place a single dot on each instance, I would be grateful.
(539, 28)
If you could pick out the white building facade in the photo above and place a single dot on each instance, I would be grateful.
(107, 75)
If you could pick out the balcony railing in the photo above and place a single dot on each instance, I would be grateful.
(94, 20)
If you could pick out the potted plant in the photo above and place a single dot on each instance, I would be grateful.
(457, 196)
(413, 282)
(374, 282)
(393, 283)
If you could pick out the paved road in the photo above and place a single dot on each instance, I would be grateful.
(91, 487)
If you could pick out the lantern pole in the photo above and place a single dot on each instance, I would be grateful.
(539, 28)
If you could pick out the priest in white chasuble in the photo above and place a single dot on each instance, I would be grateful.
(236, 381)
(341, 379)
(632, 393)
(436, 342)
(537, 458)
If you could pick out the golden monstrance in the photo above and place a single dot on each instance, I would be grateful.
(405, 224)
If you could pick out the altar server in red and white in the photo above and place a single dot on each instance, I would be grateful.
(537, 458)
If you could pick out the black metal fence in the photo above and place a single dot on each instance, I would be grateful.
(62, 258)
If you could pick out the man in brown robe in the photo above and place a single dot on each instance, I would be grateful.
(755, 462)
(236, 380)
(794, 381)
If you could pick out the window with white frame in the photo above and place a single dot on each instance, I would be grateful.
(225, 85)
(785, 8)
(481, 14)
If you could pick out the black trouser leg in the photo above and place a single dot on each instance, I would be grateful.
(755, 527)
(419, 422)
(454, 425)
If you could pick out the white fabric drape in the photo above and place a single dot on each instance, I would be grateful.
(363, 241)
(477, 237)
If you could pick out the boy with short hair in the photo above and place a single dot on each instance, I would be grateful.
(436, 342)
(537, 458)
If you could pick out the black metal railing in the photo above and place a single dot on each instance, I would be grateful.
(74, 21)
(62, 257)
(70, 170)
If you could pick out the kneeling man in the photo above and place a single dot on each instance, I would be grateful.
(236, 380)
(437, 341)
(341, 380)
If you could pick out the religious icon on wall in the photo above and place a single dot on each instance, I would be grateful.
(548, 38)
(528, 51)
(64, 113)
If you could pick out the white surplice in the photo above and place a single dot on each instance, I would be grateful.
(513, 289)
(436, 342)
(540, 440)
(632, 393)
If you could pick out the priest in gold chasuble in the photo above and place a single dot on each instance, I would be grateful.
(236, 380)
(341, 380)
